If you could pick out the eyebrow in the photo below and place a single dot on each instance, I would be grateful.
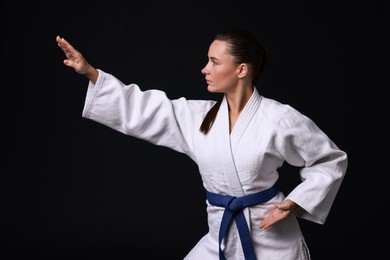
(214, 59)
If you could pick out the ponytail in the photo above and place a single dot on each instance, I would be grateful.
(209, 119)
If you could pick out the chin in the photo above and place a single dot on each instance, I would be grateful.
(213, 89)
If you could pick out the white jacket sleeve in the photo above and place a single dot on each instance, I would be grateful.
(323, 165)
(148, 115)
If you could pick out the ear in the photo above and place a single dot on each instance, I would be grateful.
(242, 70)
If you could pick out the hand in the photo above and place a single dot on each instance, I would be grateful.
(280, 212)
(75, 60)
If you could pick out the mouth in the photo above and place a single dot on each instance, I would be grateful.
(208, 82)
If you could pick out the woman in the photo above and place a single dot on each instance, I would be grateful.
(238, 143)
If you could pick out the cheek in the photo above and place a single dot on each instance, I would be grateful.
(223, 77)
(222, 74)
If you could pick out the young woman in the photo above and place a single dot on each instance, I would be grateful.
(238, 143)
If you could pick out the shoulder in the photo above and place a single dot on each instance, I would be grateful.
(283, 115)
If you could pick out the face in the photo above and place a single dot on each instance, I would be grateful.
(220, 72)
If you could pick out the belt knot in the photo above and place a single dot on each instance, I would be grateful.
(234, 207)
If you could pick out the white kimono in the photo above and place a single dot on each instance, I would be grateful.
(245, 161)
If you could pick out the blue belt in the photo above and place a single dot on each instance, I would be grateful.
(234, 209)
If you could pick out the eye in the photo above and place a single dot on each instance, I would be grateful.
(214, 61)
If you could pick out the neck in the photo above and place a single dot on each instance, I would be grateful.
(238, 99)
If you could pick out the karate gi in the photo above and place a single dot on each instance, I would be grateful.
(243, 161)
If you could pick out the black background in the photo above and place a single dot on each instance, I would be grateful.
(72, 189)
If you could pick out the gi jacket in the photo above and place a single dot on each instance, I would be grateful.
(243, 161)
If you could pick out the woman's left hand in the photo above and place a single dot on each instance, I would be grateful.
(280, 212)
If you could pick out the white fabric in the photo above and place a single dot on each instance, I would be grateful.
(266, 134)
(225, 152)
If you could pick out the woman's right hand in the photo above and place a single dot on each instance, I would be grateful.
(76, 60)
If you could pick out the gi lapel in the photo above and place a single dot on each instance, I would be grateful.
(227, 143)
(244, 119)
(225, 150)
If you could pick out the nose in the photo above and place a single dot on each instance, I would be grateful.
(204, 71)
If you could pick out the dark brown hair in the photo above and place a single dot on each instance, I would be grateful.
(245, 48)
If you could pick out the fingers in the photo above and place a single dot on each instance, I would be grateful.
(269, 221)
(277, 214)
(72, 55)
(61, 43)
(66, 47)
(266, 223)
